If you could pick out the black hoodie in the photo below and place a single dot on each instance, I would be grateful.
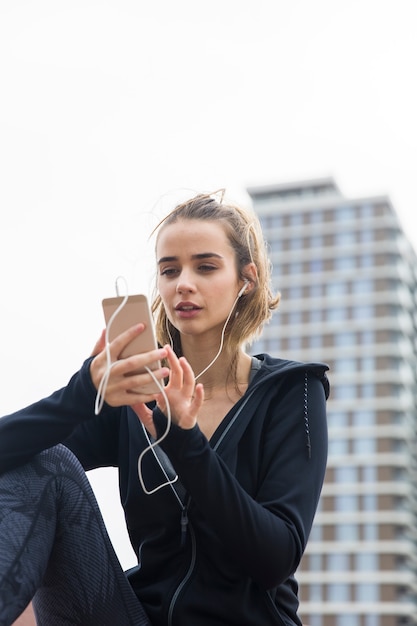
(219, 546)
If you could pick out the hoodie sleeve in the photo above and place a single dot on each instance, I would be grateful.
(265, 533)
(50, 421)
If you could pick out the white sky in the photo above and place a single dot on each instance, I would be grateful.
(108, 108)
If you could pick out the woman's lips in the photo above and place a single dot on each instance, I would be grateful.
(187, 310)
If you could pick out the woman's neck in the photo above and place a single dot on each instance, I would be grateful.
(217, 375)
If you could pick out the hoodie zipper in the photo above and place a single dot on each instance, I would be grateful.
(184, 525)
(190, 567)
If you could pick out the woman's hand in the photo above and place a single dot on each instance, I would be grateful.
(124, 383)
(100, 343)
(184, 396)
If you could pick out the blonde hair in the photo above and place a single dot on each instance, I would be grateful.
(245, 235)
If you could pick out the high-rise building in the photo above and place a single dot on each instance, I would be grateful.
(348, 279)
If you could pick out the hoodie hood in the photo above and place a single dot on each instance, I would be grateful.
(272, 367)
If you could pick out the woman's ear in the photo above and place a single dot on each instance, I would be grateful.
(250, 277)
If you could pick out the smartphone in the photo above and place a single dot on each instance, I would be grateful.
(136, 310)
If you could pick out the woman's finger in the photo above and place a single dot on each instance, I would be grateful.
(100, 343)
(188, 377)
(176, 371)
(198, 398)
(120, 342)
(139, 362)
(145, 416)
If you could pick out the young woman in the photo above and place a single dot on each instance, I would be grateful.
(219, 509)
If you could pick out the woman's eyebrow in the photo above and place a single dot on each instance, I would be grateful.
(167, 259)
(200, 255)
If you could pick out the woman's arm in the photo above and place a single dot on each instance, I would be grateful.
(68, 415)
(266, 534)
(46, 422)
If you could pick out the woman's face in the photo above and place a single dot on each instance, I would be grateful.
(197, 275)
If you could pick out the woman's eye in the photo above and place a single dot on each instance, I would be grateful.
(206, 268)
(168, 271)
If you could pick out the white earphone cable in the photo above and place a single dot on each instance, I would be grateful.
(105, 378)
(101, 391)
(221, 340)
(104, 381)
(155, 443)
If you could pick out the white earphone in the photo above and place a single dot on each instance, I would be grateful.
(242, 291)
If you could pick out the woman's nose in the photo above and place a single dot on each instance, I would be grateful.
(185, 284)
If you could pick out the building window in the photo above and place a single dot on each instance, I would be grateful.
(316, 217)
(345, 365)
(362, 285)
(348, 620)
(338, 447)
(366, 260)
(296, 317)
(369, 502)
(316, 266)
(338, 419)
(277, 270)
(369, 474)
(346, 502)
(315, 562)
(295, 291)
(338, 288)
(315, 290)
(315, 315)
(366, 337)
(347, 532)
(315, 341)
(296, 219)
(346, 338)
(367, 592)
(345, 238)
(363, 311)
(344, 392)
(276, 221)
(363, 417)
(316, 533)
(315, 592)
(366, 235)
(338, 562)
(276, 245)
(345, 263)
(346, 474)
(295, 268)
(368, 391)
(316, 241)
(364, 445)
(399, 446)
(336, 314)
(296, 243)
(370, 532)
(366, 210)
(270, 345)
(344, 213)
(367, 363)
(366, 561)
(338, 592)
(294, 343)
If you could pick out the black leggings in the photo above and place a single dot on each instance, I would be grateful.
(54, 548)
